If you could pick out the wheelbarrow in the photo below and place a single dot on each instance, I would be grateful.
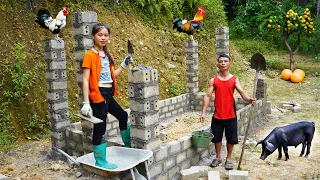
(125, 158)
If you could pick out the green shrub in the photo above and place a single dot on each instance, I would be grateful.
(176, 89)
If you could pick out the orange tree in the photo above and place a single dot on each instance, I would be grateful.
(295, 21)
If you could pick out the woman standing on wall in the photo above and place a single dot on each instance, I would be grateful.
(99, 87)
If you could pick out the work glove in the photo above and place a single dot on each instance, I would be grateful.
(128, 59)
(86, 109)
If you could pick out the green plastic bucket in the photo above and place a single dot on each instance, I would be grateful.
(201, 139)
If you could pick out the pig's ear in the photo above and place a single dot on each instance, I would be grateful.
(270, 146)
(259, 142)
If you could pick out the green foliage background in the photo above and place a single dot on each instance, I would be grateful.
(23, 91)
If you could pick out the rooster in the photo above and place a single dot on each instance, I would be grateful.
(45, 21)
(192, 26)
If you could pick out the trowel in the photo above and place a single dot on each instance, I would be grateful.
(130, 52)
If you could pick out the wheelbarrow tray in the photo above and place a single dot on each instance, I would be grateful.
(124, 158)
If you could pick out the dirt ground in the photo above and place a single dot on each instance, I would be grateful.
(35, 160)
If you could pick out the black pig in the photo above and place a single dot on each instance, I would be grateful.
(290, 135)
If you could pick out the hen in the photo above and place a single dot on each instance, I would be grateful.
(45, 21)
(192, 26)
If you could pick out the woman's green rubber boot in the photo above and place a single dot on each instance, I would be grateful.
(99, 152)
(126, 137)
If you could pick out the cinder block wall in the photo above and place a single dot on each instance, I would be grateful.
(172, 107)
(170, 158)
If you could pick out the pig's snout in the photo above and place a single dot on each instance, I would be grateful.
(263, 157)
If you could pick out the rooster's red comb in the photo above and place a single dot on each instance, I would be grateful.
(201, 9)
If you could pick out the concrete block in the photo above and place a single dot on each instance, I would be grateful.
(175, 147)
(161, 103)
(161, 154)
(238, 175)
(189, 174)
(53, 44)
(60, 125)
(154, 75)
(84, 29)
(181, 157)
(51, 55)
(195, 159)
(152, 144)
(83, 42)
(296, 109)
(144, 120)
(203, 170)
(3, 177)
(155, 169)
(83, 17)
(186, 142)
(162, 176)
(58, 106)
(61, 144)
(191, 43)
(57, 85)
(57, 135)
(173, 172)
(53, 65)
(87, 146)
(155, 133)
(140, 106)
(191, 152)
(52, 75)
(213, 175)
(192, 49)
(143, 92)
(169, 163)
(163, 136)
(58, 115)
(287, 106)
(143, 134)
(222, 30)
(53, 96)
(79, 55)
(142, 76)
(185, 164)
(76, 135)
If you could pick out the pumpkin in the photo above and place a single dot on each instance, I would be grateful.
(301, 72)
(286, 74)
(296, 77)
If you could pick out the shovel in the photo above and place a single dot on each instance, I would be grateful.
(130, 51)
(258, 63)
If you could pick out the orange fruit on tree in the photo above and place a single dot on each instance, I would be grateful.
(296, 77)
(286, 74)
(301, 72)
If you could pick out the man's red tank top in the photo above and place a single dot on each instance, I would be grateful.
(224, 100)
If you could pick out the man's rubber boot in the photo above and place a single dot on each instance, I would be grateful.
(126, 137)
(99, 152)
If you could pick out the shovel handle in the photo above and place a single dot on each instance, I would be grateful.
(249, 121)
(66, 155)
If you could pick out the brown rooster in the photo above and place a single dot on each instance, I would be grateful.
(192, 26)
(45, 21)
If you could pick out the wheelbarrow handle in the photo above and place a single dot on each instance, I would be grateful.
(66, 155)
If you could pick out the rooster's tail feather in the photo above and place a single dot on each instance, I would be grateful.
(42, 15)
(177, 23)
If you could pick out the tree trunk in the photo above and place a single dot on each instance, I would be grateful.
(318, 8)
(285, 39)
(291, 61)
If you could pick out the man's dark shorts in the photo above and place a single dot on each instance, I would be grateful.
(230, 126)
